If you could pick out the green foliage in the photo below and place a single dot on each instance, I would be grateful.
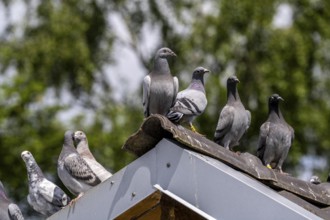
(65, 45)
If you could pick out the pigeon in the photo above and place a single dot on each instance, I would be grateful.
(190, 102)
(81, 142)
(73, 171)
(325, 185)
(275, 136)
(315, 180)
(234, 120)
(159, 87)
(44, 196)
(8, 210)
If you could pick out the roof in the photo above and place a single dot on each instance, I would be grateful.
(183, 175)
(309, 196)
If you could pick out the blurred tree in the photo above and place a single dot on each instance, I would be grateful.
(55, 60)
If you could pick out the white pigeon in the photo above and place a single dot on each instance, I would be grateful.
(73, 171)
(44, 196)
(81, 142)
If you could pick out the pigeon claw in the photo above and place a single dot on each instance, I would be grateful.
(73, 201)
(193, 128)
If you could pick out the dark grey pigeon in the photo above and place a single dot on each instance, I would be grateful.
(275, 136)
(8, 210)
(159, 87)
(73, 171)
(234, 120)
(81, 142)
(44, 196)
(190, 102)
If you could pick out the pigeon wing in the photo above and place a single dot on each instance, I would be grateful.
(176, 89)
(146, 95)
(52, 193)
(248, 113)
(225, 121)
(264, 131)
(79, 170)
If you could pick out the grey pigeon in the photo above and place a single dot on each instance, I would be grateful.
(159, 87)
(234, 120)
(275, 136)
(8, 210)
(73, 171)
(190, 102)
(44, 196)
(81, 142)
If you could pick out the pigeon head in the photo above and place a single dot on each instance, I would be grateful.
(273, 105)
(232, 80)
(68, 137)
(79, 136)
(199, 72)
(165, 53)
(275, 99)
(232, 93)
(315, 180)
(28, 158)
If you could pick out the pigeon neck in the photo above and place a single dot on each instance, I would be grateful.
(34, 171)
(197, 83)
(232, 93)
(83, 149)
(328, 179)
(161, 66)
(275, 112)
(68, 144)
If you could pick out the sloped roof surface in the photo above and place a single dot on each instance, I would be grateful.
(309, 196)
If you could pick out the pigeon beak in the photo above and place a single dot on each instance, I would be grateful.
(280, 98)
(206, 71)
(173, 54)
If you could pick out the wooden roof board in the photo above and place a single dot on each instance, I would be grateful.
(156, 127)
(159, 206)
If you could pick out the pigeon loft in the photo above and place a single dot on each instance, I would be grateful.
(182, 175)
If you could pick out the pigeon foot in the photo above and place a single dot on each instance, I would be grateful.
(73, 201)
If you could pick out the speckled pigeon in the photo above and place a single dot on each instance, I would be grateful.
(8, 210)
(234, 120)
(159, 87)
(81, 142)
(275, 136)
(44, 196)
(190, 102)
(73, 171)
